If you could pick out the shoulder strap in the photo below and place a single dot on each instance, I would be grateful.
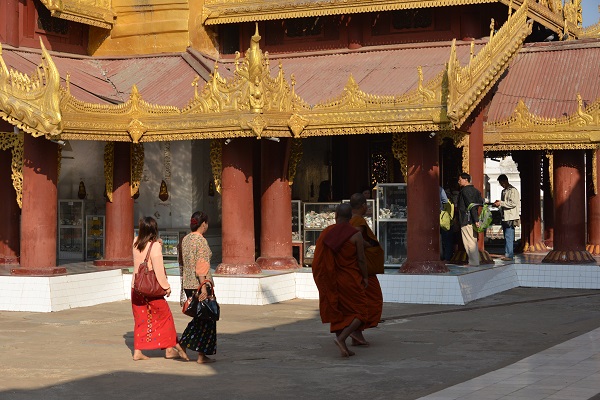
(148, 253)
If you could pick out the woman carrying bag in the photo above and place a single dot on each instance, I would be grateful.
(200, 334)
(154, 327)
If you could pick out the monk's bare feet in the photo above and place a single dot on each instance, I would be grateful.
(344, 351)
(358, 339)
(202, 359)
(138, 355)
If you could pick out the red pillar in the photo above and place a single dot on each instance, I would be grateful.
(39, 213)
(569, 211)
(531, 219)
(9, 213)
(119, 212)
(548, 216)
(593, 223)
(238, 209)
(423, 201)
(476, 171)
(276, 207)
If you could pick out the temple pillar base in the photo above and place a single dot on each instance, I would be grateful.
(536, 247)
(41, 271)
(115, 262)
(569, 257)
(238, 269)
(277, 263)
(9, 260)
(593, 248)
(461, 257)
(423, 267)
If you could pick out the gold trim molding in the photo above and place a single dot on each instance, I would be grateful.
(8, 140)
(526, 131)
(90, 12)
(216, 162)
(235, 11)
(295, 157)
(31, 102)
(109, 166)
(469, 84)
(137, 167)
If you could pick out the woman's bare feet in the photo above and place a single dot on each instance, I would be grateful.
(138, 355)
(181, 352)
(344, 351)
(202, 359)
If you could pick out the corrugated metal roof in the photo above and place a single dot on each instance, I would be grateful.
(163, 79)
(385, 71)
(166, 79)
(548, 77)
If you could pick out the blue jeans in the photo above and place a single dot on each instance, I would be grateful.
(509, 238)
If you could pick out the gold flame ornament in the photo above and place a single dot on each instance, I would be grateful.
(81, 193)
(163, 194)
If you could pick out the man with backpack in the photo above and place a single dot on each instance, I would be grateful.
(468, 218)
(510, 209)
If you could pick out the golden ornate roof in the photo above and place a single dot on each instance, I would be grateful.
(525, 131)
(469, 84)
(89, 12)
(252, 103)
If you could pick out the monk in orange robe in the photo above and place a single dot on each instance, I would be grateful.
(340, 272)
(374, 257)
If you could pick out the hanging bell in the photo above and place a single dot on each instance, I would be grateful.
(163, 194)
(81, 193)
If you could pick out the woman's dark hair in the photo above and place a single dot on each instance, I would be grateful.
(148, 232)
(197, 219)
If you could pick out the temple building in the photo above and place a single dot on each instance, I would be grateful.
(115, 109)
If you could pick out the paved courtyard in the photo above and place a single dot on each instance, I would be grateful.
(282, 351)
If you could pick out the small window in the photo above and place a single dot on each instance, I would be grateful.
(49, 24)
(412, 19)
(303, 27)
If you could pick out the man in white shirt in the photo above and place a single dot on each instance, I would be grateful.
(510, 208)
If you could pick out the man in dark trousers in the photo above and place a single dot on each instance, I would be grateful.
(468, 218)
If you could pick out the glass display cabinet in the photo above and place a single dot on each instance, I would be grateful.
(169, 246)
(70, 230)
(317, 216)
(392, 222)
(94, 237)
(296, 221)
(369, 215)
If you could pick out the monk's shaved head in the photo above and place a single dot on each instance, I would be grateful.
(343, 212)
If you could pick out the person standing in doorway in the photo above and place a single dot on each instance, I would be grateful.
(468, 217)
(509, 205)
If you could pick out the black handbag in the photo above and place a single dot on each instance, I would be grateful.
(207, 309)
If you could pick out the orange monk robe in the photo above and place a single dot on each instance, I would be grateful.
(338, 277)
(374, 257)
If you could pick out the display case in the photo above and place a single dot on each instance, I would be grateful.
(94, 237)
(369, 216)
(70, 230)
(317, 216)
(296, 221)
(170, 241)
(392, 222)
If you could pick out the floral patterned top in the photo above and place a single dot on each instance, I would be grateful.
(194, 247)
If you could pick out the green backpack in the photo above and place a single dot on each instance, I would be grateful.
(485, 216)
(446, 216)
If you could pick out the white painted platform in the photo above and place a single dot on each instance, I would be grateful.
(458, 287)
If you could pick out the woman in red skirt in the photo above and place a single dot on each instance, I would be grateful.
(154, 326)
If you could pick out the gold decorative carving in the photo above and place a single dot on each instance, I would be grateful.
(468, 85)
(550, 13)
(136, 130)
(137, 166)
(550, 157)
(526, 131)
(216, 162)
(31, 102)
(400, 151)
(228, 11)
(109, 158)
(14, 142)
(595, 171)
(591, 32)
(90, 12)
(297, 123)
(295, 157)
(59, 163)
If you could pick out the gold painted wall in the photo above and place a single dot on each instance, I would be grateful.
(150, 27)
